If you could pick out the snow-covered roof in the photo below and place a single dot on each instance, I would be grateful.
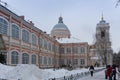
(69, 40)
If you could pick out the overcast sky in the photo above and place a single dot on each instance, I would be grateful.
(80, 16)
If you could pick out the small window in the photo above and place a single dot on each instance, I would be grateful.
(82, 61)
(33, 59)
(82, 50)
(75, 61)
(75, 50)
(68, 50)
(62, 62)
(62, 50)
(68, 61)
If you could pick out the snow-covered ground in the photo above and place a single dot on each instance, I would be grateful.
(32, 72)
(97, 76)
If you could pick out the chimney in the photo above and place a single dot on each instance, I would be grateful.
(22, 17)
(31, 23)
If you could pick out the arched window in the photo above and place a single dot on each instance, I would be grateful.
(14, 57)
(33, 59)
(3, 26)
(25, 36)
(15, 31)
(34, 39)
(25, 58)
(102, 34)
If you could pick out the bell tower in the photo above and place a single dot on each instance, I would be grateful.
(103, 43)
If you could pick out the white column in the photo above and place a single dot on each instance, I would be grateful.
(9, 36)
(20, 57)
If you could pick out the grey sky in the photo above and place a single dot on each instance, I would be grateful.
(81, 16)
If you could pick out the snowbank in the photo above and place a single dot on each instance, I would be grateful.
(4, 69)
(32, 72)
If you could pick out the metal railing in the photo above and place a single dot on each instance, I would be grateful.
(76, 76)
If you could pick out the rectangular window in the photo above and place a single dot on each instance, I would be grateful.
(68, 61)
(75, 50)
(75, 61)
(49, 46)
(68, 50)
(41, 60)
(53, 61)
(82, 61)
(49, 60)
(62, 61)
(45, 60)
(45, 44)
(62, 50)
(41, 42)
(53, 48)
(57, 61)
(82, 49)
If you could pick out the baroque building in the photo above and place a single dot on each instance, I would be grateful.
(27, 44)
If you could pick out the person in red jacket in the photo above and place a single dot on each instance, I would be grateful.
(109, 72)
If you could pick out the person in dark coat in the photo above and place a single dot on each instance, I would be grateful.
(91, 69)
(114, 71)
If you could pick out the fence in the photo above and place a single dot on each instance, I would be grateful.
(76, 76)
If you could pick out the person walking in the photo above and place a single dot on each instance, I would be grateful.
(114, 71)
(107, 67)
(109, 72)
(91, 69)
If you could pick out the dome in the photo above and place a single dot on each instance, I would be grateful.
(60, 30)
(60, 26)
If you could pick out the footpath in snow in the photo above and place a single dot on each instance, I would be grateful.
(97, 76)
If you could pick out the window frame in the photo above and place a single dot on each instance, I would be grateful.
(25, 58)
(4, 30)
(15, 32)
(15, 57)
